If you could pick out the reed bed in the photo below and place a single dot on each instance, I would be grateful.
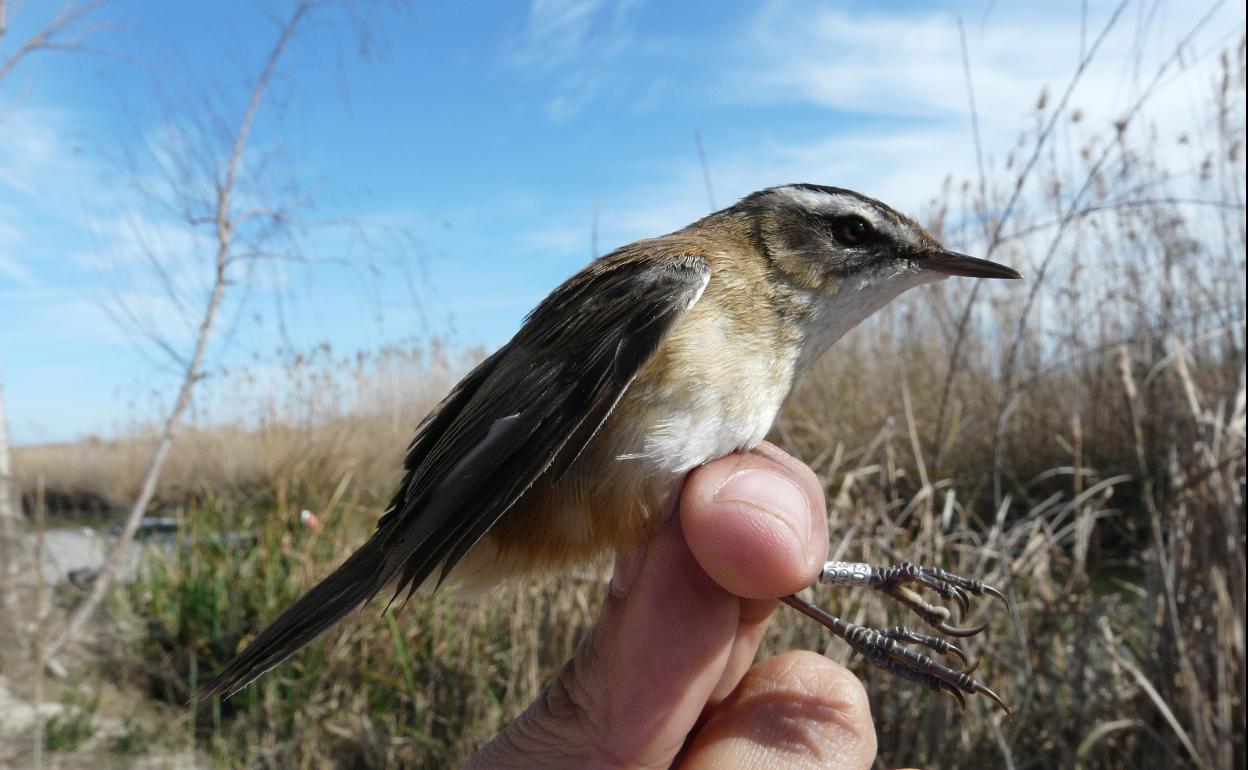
(1077, 438)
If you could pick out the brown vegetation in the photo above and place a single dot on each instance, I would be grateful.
(1080, 439)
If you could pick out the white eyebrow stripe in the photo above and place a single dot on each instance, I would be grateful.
(863, 210)
(837, 205)
(806, 198)
(831, 203)
(893, 225)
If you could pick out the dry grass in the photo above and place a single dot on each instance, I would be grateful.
(293, 430)
(1080, 440)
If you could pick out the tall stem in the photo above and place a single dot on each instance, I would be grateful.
(225, 219)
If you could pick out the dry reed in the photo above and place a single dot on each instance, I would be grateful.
(1079, 441)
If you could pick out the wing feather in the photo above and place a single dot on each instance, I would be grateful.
(536, 402)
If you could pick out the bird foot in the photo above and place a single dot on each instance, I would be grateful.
(886, 648)
(897, 581)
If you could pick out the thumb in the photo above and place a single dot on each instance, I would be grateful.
(756, 522)
(640, 679)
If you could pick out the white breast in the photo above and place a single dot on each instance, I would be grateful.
(705, 426)
(724, 399)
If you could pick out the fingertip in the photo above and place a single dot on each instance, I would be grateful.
(755, 524)
(799, 469)
(798, 709)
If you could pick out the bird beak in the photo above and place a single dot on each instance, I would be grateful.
(953, 263)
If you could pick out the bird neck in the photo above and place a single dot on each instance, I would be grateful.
(831, 313)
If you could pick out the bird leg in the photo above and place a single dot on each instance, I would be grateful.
(885, 647)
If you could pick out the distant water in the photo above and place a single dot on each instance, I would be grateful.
(80, 550)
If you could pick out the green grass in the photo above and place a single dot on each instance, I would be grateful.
(419, 686)
(72, 728)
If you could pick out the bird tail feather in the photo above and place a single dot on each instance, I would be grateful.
(349, 586)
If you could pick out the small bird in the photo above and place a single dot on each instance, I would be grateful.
(574, 438)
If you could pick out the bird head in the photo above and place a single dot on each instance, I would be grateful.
(825, 237)
(843, 256)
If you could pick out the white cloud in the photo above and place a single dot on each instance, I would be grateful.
(910, 66)
(10, 244)
(574, 92)
(902, 65)
(557, 30)
(41, 173)
(899, 123)
(573, 43)
(557, 239)
(561, 30)
(31, 147)
(78, 248)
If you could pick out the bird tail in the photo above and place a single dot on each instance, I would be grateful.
(349, 586)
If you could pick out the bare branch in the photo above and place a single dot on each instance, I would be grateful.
(942, 410)
(1116, 206)
(1042, 140)
(1072, 209)
(53, 36)
(225, 223)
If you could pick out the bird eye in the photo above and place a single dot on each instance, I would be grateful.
(853, 230)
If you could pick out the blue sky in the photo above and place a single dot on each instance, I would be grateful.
(487, 133)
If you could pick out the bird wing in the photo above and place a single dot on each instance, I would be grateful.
(535, 403)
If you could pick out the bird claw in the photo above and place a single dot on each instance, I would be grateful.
(885, 648)
(954, 693)
(896, 581)
(935, 643)
(983, 689)
(958, 631)
(963, 601)
(997, 595)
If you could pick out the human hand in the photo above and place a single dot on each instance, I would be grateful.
(666, 673)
